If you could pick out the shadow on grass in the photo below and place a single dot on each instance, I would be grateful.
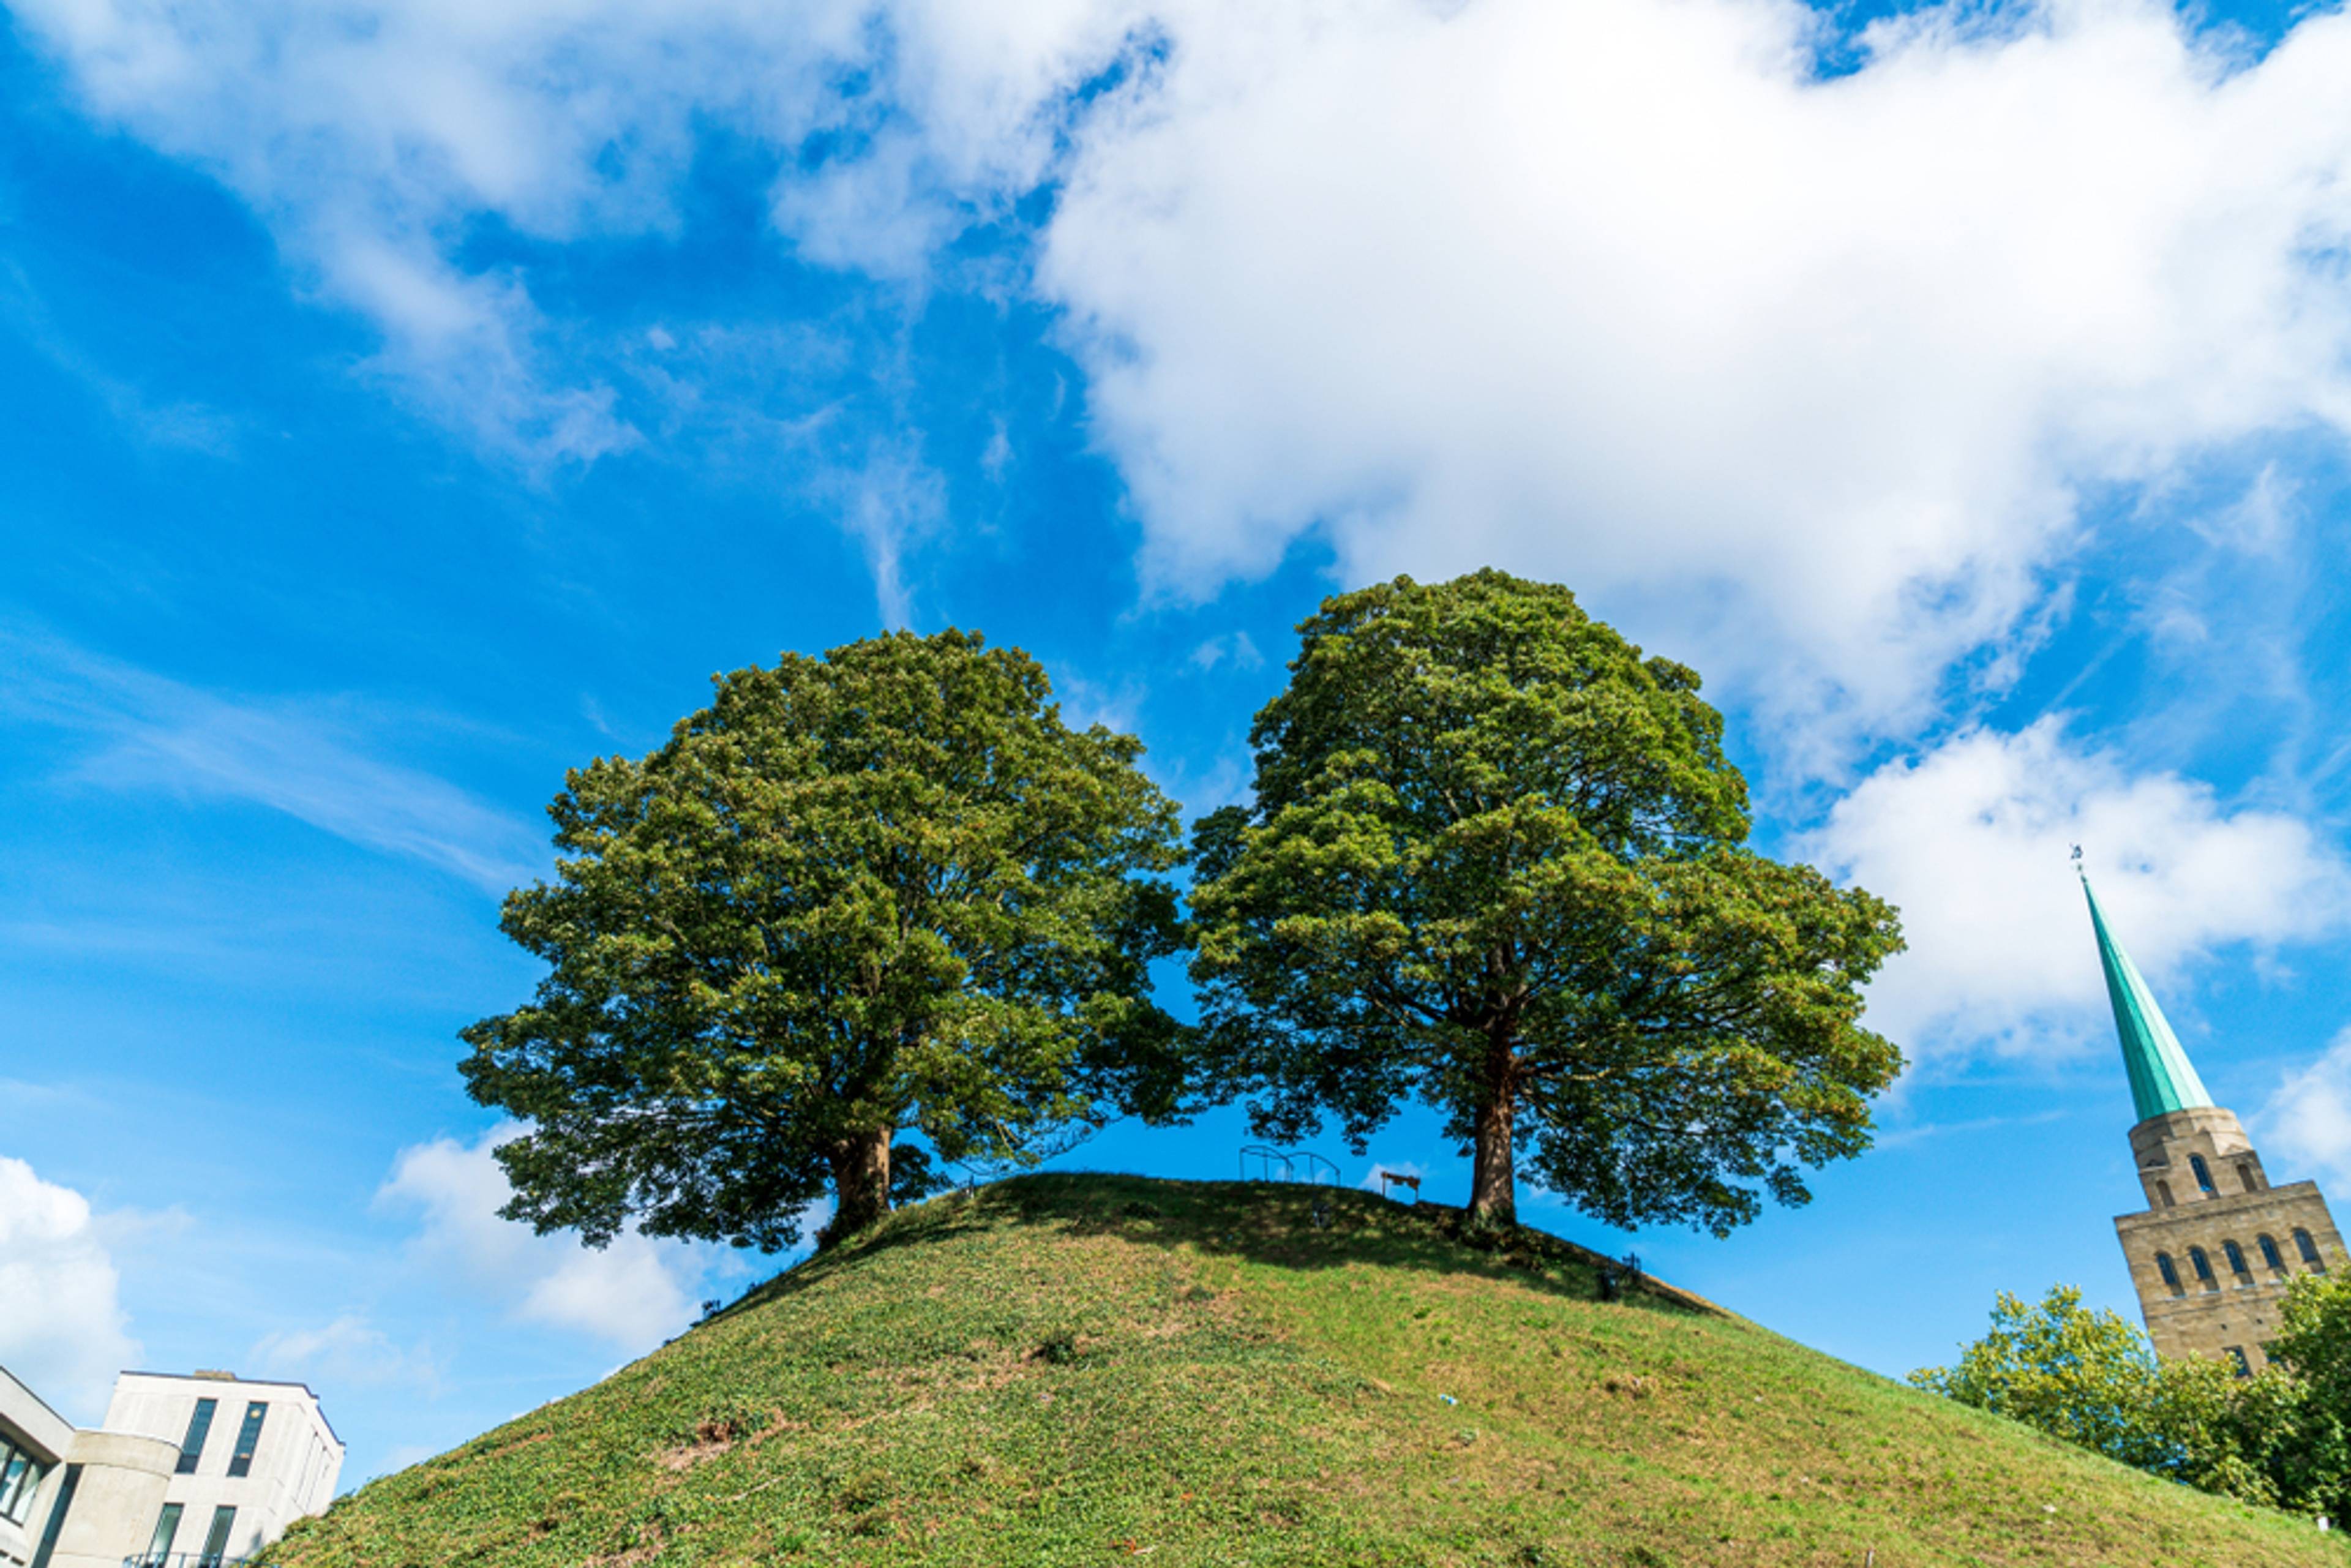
(1279, 1224)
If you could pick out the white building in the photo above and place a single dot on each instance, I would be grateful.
(186, 1472)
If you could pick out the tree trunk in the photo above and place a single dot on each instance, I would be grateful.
(1493, 1175)
(861, 1184)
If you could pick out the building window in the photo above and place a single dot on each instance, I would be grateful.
(2163, 1191)
(2203, 1266)
(2245, 1175)
(167, 1525)
(2309, 1250)
(2203, 1174)
(216, 1538)
(249, 1437)
(2163, 1266)
(20, 1478)
(200, 1426)
(2237, 1354)
(2270, 1255)
(2236, 1255)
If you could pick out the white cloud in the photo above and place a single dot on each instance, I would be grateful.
(371, 133)
(461, 348)
(633, 1293)
(2307, 1122)
(297, 757)
(1805, 372)
(1238, 649)
(887, 502)
(348, 1352)
(367, 135)
(1085, 703)
(1803, 377)
(1971, 841)
(62, 1329)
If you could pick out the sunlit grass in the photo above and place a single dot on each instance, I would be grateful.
(1067, 1370)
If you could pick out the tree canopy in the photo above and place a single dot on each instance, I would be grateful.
(2278, 1438)
(2088, 1377)
(1496, 862)
(884, 891)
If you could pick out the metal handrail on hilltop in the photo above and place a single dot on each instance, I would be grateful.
(1269, 1161)
(1303, 1166)
(189, 1560)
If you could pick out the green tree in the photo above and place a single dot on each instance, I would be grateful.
(2088, 1377)
(880, 891)
(2092, 1378)
(2309, 1436)
(1496, 862)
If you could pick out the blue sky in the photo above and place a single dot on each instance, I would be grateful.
(402, 402)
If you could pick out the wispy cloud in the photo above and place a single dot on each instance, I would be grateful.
(303, 757)
(2308, 1119)
(1239, 651)
(348, 1352)
(1902, 1138)
(888, 502)
(188, 425)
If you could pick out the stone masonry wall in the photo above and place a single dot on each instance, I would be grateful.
(2233, 1311)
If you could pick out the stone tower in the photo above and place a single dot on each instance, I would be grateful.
(2211, 1253)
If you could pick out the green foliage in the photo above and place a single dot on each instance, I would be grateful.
(1066, 1372)
(2089, 1377)
(1496, 862)
(883, 891)
(2309, 1450)
(2092, 1378)
(2086, 1376)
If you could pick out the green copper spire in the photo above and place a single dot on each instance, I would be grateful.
(2162, 1079)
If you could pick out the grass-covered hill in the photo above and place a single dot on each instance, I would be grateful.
(1098, 1370)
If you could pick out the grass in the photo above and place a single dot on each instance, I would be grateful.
(1090, 1370)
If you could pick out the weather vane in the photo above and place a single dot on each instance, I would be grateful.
(2077, 858)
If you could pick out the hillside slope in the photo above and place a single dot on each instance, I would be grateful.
(1091, 1370)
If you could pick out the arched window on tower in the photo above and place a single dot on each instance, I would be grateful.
(2164, 1266)
(2203, 1266)
(2270, 1255)
(2309, 1250)
(2236, 1255)
(2163, 1191)
(2245, 1175)
(2203, 1174)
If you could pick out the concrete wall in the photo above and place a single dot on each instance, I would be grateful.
(121, 1482)
(29, 1425)
(124, 1473)
(295, 1465)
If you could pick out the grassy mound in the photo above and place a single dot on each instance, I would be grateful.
(1092, 1370)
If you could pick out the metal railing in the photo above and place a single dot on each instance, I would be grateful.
(1260, 1162)
(190, 1560)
